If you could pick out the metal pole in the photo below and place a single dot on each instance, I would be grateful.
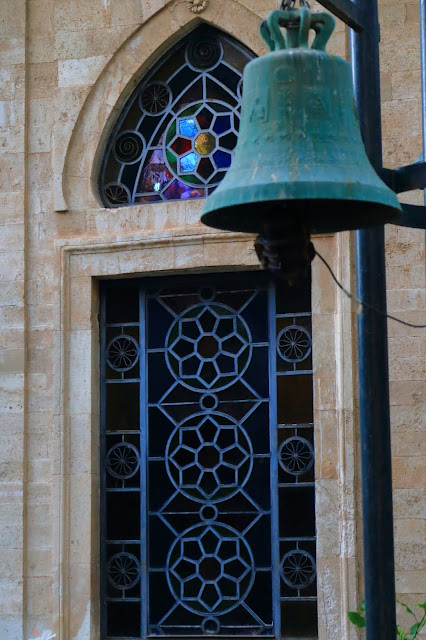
(422, 11)
(373, 355)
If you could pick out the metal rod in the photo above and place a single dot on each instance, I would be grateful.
(422, 12)
(373, 355)
(347, 11)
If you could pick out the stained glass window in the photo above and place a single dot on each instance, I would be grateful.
(208, 495)
(176, 135)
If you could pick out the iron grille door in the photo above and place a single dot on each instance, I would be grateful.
(208, 522)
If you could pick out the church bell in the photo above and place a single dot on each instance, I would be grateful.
(300, 156)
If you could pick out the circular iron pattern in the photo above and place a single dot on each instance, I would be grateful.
(203, 54)
(155, 98)
(210, 569)
(122, 353)
(294, 343)
(210, 625)
(199, 142)
(129, 147)
(117, 194)
(209, 513)
(209, 457)
(296, 456)
(123, 461)
(123, 571)
(298, 569)
(208, 402)
(208, 347)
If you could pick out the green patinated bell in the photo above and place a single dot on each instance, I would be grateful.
(300, 155)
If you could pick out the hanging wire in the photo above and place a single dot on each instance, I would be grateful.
(365, 304)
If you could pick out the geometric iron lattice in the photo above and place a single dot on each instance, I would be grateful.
(208, 456)
(176, 136)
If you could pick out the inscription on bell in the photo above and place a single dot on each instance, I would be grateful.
(260, 108)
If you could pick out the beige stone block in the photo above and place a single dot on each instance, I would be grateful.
(101, 264)
(84, 444)
(229, 254)
(411, 443)
(11, 447)
(12, 51)
(393, 55)
(38, 593)
(329, 592)
(12, 139)
(150, 7)
(12, 235)
(189, 257)
(11, 626)
(80, 15)
(81, 308)
(326, 444)
(39, 530)
(406, 299)
(408, 531)
(12, 20)
(11, 293)
(405, 277)
(386, 86)
(80, 344)
(41, 17)
(12, 82)
(10, 596)
(401, 151)
(11, 562)
(12, 113)
(406, 84)
(407, 368)
(76, 72)
(12, 318)
(409, 473)
(40, 125)
(125, 12)
(410, 581)
(405, 394)
(413, 15)
(402, 117)
(12, 390)
(401, 253)
(12, 261)
(38, 563)
(94, 42)
(41, 49)
(11, 172)
(328, 528)
(404, 347)
(81, 580)
(43, 79)
(80, 523)
(324, 342)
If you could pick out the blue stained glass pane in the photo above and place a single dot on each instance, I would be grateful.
(189, 162)
(188, 127)
(222, 124)
(222, 159)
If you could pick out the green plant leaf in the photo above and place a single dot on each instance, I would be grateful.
(357, 619)
(422, 606)
(406, 607)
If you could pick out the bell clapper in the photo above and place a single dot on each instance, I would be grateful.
(284, 247)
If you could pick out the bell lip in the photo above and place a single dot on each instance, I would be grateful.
(247, 218)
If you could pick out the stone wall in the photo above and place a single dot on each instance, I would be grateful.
(66, 68)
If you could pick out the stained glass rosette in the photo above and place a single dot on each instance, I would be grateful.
(200, 141)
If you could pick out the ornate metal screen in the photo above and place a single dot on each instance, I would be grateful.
(208, 522)
(176, 135)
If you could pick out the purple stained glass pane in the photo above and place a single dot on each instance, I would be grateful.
(179, 191)
(222, 159)
(155, 174)
(188, 163)
(188, 127)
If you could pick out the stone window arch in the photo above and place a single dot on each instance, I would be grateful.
(175, 137)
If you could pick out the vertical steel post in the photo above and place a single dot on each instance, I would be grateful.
(373, 355)
(422, 12)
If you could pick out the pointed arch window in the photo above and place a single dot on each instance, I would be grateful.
(176, 135)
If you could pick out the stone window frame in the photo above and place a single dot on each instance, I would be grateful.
(175, 242)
